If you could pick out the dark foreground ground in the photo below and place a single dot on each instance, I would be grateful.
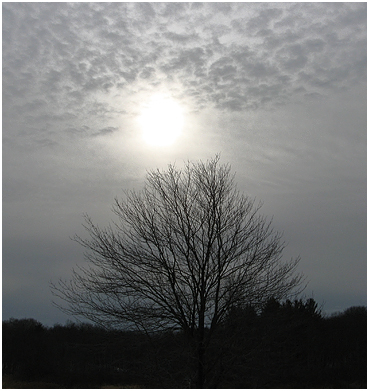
(9, 382)
(287, 345)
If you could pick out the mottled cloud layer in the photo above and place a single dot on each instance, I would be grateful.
(232, 56)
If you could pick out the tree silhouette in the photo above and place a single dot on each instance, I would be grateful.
(185, 250)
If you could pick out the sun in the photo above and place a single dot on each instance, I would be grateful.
(161, 121)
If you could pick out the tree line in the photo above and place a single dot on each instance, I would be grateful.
(285, 344)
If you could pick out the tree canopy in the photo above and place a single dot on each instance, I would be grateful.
(184, 250)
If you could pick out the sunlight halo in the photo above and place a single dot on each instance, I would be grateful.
(161, 121)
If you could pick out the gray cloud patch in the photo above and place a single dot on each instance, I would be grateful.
(181, 38)
(106, 131)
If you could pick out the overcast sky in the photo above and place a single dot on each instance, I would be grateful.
(279, 89)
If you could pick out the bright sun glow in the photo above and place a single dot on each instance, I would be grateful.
(161, 121)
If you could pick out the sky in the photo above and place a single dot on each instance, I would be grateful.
(278, 89)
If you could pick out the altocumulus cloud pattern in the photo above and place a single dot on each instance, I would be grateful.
(231, 56)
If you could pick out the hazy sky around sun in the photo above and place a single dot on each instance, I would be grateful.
(279, 89)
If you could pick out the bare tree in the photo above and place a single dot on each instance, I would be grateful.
(185, 249)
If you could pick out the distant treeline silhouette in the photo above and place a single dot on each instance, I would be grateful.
(286, 345)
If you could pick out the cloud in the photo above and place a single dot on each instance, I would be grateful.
(188, 60)
(73, 51)
(79, 70)
(180, 38)
(106, 131)
(263, 20)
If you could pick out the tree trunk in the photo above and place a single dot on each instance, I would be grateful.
(200, 365)
(201, 346)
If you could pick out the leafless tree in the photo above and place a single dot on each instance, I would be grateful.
(184, 250)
